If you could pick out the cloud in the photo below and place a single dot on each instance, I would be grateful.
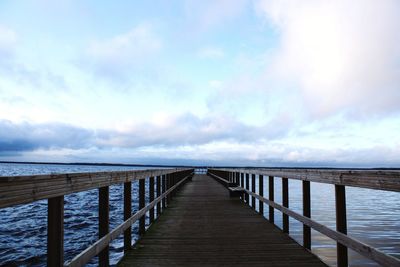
(19, 137)
(341, 55)
(8, 41)
(211, 53)
(207, 14)
(127, 50)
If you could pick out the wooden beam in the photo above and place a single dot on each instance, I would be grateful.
(306, 213)
(247, 187)
(158, 191)
(271, 198)
(261, 193)
(104, 210)
(55, 231)
(142, 228)
(151, 198)
(341, 224)
(285, 203)
(127, 214)
(253, 189)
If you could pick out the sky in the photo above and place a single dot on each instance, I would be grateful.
(214, 82)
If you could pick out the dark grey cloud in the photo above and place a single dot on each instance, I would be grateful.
(20, 137)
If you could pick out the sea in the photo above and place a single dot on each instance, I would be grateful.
(373, 218)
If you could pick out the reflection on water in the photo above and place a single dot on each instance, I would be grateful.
(373, 217)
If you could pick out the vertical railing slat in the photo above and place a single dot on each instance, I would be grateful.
(307, 213)
(151, 198)
(158, 191)
(341, 223)
(261, 193)
(127, 214)
(271, 197)
(142, 228)
(104, 218)
(55, 231)
(253, 189)
(285, 203)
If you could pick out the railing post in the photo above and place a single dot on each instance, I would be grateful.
(242, 185)
(127, 214)
(164, 200)
(307, 213)
(158, 191)
(142, 228)
(168, 187)
(151, 198)
(261, 193)
(285, 203)
(55, 231)
(253, 189)
(247, 187)
(104, 211)
(271, 198)
(341, 223)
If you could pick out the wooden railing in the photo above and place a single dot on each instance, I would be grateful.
(374, 179)
(15, 190)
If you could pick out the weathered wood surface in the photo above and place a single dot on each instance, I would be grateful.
(204, 227)
(385, 179)
(16, 190)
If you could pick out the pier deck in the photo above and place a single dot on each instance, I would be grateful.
(204, 227)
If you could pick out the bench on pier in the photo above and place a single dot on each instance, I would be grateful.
(235, 191)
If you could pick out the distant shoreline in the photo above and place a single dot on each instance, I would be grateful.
(183, 166)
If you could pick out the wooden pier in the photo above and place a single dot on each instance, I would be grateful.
(203, 226)
(202, 219)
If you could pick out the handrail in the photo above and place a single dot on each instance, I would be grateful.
(381, 179)
(90, 252)
(15, 190)
(386, 180)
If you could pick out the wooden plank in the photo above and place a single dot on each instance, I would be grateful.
(16, 190)
(253, 189)
(151, 198)
(204, 227)
(306, 213)
(84, 257)
(55, 232)
(158, 192)
(127, 215)
(381, 179)
(271, 198)
(142, 228)
(341, 224)
(104, 222)
(285, 203)
(261, 193)
(352, 243)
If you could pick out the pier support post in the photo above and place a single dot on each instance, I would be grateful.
(285, 203)
(271, 198)
(142, 228)
(158, 189)
(104, 210)
(242, 185)
(247, 187)
(164, 201)
(306, 213)
(127, 215)
(151, 198)
(261, 193)
(253, 189)
(341, 223)
(55, 231)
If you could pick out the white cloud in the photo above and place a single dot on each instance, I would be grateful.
(8, 41)
(211, 53)
(207, 14)
(125, 50)
(343, 55)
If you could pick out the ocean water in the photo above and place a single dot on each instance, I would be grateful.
(373, 218)
(23, 228)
